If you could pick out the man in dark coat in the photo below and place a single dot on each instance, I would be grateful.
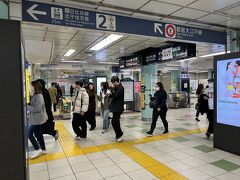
(117, 106)
(48, 127)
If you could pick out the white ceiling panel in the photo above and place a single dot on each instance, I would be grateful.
(175, 21)
(80, 43)
(58, 41)
(95, 1)
(132, 4)
(233, 23)
(178, 2)
(212, 5)
(33, 33)
(197, 24)
(76, 3)
(145, 16)
(127, 42)
(114, 10)
(62, 29)
(214, 18)
(189, 13)
(57, 35)
(158, 7)
(90, 32)
(234, 11)
(33, 26)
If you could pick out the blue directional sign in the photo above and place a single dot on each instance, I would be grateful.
(80, 18)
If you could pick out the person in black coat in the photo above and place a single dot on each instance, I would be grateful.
(48, 127)
(117, 106)
(91, 113)
(160, 97)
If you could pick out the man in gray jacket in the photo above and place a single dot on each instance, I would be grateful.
(80, 107)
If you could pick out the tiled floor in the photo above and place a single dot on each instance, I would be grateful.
(182, 154)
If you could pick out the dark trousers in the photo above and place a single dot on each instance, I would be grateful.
(116, 124)
(79, 125)
(155, 115)
(36, 130)
(197, 114)
(54, 107)
(91, 118)
(210, 116)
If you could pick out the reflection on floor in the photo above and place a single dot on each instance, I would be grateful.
(185, 153)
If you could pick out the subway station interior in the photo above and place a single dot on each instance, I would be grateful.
(160, 53)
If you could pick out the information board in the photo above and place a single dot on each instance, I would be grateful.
(128, 90)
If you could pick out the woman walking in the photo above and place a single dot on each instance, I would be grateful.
(105, 104)
(37, 117)
(159, 102)
(199, 92)
(91, 113)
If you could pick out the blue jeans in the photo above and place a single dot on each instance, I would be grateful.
(36, 130)
(106, 120)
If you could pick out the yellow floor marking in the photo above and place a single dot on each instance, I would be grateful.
(71, 148)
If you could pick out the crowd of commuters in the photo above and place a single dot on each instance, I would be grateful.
(84, 109)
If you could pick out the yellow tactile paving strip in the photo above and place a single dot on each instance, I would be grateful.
(71, 148)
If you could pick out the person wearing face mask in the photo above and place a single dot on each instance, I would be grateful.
(80, 107)
(37, 117)
(159, 109)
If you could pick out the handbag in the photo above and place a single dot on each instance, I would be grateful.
(197, 106)
(153, 104)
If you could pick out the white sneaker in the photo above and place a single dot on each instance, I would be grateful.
(77, 138)
(44, 151)
(36, 154)
(104, 131)
(57, 135)
(119, 139)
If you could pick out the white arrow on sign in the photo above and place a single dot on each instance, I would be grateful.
(31, 11)
(157, 28)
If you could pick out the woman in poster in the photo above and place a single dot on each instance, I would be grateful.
(229, 77)
(237, 80)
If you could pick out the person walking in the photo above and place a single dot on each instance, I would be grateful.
(49, 126)
(37, 116)
(71, 90)
(59, 93)
(105, 104)
(80, 107)
(91, 113)
(210, 112)
(199, 92)
(117, 106)
(53, 94)
(159, 108)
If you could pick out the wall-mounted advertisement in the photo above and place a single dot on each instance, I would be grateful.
(228, 92)
(128, 90)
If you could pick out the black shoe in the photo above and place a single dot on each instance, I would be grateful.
(197, 119)
(91, 129)
(165, 132)
(208, 134)
(149, 133)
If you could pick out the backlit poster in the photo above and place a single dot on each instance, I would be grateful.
(228, 92)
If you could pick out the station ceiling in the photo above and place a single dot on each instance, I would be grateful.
(223, 15)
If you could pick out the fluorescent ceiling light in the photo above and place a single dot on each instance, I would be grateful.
(74, 61)
(70, 52)
(214, 54)
(105, 42)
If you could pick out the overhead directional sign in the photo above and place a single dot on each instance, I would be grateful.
(72, 17)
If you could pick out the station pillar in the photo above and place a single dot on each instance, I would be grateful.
(148, 82)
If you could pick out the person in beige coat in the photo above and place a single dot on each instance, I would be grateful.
(80, 107)
(53, 94)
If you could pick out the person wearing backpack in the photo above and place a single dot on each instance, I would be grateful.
(159, 105)
(80, 107)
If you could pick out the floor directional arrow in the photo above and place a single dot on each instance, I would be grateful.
(157, 28)
(32, 12)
